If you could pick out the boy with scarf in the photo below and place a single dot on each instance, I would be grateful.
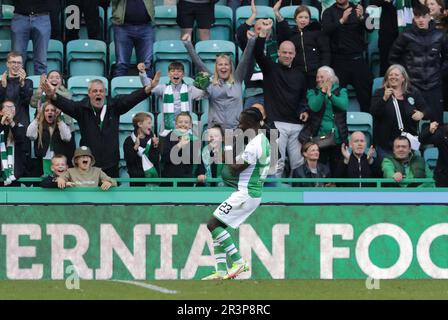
(141, 150)
(181, 152)
(13, 145)
(176, 95)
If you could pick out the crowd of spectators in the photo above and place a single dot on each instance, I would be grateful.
(295, 77)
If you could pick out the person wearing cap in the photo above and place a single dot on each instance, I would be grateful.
(84, 174)
(99, 122)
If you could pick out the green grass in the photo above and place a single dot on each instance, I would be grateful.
(229, 290)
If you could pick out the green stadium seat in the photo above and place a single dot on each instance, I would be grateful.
(361, 121)
(244, 12)
(204, 121)
(377, 83)
(209, 49)
(78, 85)
(166, 27)
(5, 22)
(352, 100)
(431, 155)
(165, 80)
(86, 57)
(5, 48)
(113, 58)
(288, 14)
(222, 29)
(55, 57)
(167, 51)
(445, 117)
(126, 85)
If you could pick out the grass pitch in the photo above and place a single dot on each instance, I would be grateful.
(227, 290)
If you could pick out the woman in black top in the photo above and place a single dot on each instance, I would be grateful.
(412, 107)
(311, 167)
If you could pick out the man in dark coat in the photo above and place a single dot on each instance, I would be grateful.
(98, 122)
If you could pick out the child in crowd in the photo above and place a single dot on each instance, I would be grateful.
(181, 152)
(141, 150)
(213, 152)
(176, 95)
(58, 168)
(50, 135)
(13, 145)
(84, 174)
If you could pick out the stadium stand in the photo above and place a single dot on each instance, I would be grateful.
(85, 55)
(166, 51)
(166, 27)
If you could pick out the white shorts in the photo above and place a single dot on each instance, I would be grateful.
(236, 209)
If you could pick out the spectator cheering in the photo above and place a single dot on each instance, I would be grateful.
(141, 150)
(51, 135)
(284, 89)
(12, 144)
(412, 106)
(344, 23)
(254, 77)
(358, 164)
(328, 104)
(58, 168)
(84, 174)
(404, 164)
(225, 91)
(99, 122)
(176, 95)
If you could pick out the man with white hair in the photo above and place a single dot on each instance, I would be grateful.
(98, 122)
(284, 89)
(358, 164)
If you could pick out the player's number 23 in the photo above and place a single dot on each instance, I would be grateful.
(225, 208)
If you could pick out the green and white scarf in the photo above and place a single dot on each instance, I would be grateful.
(102, 115)
(7, 156)
(46, 160)
(168, 104)
(404, 13)
(148, 167)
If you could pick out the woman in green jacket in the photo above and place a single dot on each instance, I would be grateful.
(328, 103)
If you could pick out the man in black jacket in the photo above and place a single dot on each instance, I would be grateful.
(357, 164)
(344, 23)
(284, 89)
(99, 122)
(423, 51)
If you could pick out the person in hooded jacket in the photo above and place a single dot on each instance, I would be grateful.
(312, 44)
(423, 51)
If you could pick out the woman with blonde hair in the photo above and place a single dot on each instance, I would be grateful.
(396, 86)
(225, 91)
(50, 135)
